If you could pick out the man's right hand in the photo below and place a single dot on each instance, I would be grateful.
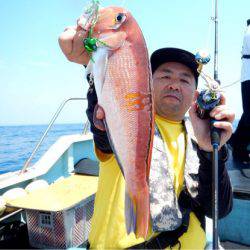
(98, 118)
(71, 43)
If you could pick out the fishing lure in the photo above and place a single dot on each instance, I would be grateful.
(92, 43)
(209, 97)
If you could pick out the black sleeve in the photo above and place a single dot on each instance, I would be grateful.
(100, 137)
(225, 196)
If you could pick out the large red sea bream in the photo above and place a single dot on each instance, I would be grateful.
(122, 76)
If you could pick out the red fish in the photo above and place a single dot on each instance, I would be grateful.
(123, 81)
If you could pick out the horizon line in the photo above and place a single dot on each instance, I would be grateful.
(39, 124)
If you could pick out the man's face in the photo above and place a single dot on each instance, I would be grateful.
(174, 87)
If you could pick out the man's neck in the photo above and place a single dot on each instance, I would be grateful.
(171, 117)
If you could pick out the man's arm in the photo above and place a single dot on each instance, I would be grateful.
(71, 43)
(100, 136)
(225, 196)
(201, 128)
(202, 203)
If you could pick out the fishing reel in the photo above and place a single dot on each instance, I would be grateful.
(209, 97)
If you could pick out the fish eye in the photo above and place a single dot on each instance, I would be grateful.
(120, 17)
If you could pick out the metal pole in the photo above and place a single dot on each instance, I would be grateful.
(47, 130)
(86, 127)
(216, 42)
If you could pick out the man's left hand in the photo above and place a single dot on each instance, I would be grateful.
(224, 117)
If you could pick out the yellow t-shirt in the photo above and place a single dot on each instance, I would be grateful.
(108, 223)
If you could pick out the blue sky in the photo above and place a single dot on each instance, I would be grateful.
(35, 77)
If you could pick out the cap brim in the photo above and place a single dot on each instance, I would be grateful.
(164, 55)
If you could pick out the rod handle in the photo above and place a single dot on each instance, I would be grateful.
(215, 133)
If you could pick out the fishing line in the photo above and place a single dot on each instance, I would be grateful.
(231, 84)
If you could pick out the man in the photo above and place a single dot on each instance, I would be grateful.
(187, 164)
(240, 140)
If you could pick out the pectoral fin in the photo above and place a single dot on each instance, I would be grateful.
(99, 67)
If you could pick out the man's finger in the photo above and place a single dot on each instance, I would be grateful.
(192, 110)
(196, 94)
(72, 27)
(98, 117)
(78, 47)
(100, 113)
(66, 40)
(222, 112)
(226, 115)
(222, 99)
(79, 24)
(224, 125)
(217, 109)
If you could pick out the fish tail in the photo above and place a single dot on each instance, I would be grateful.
(142, 214)
(137, 214)
(130, 216)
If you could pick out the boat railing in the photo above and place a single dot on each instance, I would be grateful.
(86, 127)
(7, 216)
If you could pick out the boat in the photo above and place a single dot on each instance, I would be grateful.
(69, 164)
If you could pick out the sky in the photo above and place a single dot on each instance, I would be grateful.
(35, 77)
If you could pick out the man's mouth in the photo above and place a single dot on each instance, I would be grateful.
(172, 96)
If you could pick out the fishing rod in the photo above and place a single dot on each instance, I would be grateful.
(206, 101)
(215, 141)
(215, 19)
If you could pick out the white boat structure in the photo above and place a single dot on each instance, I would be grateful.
(60, 186)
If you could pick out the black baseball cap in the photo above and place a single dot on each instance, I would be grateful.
(248, 22)
(164, 55)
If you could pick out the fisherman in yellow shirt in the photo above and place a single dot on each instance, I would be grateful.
(186, 163)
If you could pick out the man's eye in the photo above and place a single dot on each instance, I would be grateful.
(165, 77)
(185, 81)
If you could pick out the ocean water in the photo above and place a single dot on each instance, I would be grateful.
(18, 142)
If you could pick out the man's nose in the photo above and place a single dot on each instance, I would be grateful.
(174, 85)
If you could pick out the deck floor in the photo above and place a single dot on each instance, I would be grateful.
(232, 245)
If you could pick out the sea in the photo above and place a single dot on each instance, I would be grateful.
(18, 142)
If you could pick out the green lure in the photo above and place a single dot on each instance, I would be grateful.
(91, 43)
